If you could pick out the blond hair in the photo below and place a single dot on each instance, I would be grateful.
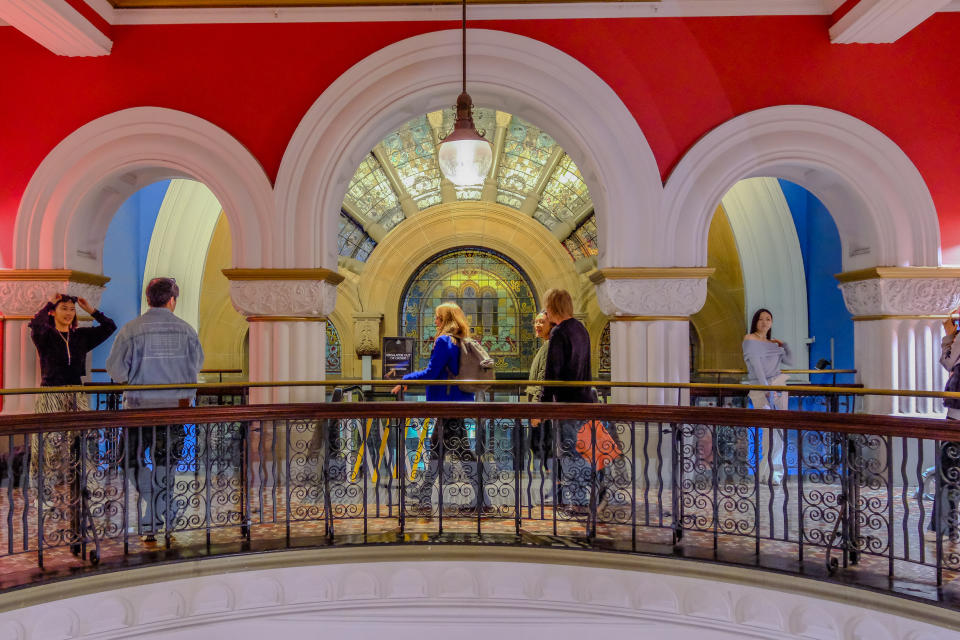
(559, 302)
(452, 321)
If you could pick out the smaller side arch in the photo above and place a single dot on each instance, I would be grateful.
(882, 206)
(72, 196)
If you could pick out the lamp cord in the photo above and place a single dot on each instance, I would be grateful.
(464, 41)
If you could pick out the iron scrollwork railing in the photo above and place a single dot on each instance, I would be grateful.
(809, 492)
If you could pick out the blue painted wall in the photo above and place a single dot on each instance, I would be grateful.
(822, 258)
(124, 259)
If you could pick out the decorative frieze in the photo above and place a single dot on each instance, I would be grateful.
(901, 296)
(651, 292)
(300, 293)
(23, 292)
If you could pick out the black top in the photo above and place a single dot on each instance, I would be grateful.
(568, 358)
(56, 369)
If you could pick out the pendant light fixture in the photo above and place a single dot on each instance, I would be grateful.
(465, 156)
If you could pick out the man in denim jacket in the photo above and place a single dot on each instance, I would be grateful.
(156, 348)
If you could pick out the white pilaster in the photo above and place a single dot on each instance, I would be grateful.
(649, 311)
(897, 332)
(22, 294)
(287, 310)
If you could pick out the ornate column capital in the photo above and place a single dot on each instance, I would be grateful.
(883, 292)
(651, 293)
(366, 333)
(24, 291)
(283, 294)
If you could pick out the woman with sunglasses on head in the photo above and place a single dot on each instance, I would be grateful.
(63, 347)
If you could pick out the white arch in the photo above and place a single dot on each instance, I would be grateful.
(876, 195)
(421, 74)
(74, 193)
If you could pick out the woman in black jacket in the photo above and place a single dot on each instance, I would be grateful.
(63, 348)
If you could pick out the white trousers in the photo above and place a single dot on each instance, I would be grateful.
(772, 438)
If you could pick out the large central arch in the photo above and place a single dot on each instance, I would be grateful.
(421, 74)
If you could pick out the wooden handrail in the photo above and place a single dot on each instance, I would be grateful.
(888, 426)
(497, 384)
(744, 371)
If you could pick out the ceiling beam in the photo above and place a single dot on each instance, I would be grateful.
(489, 193)
(880, 21)
(407, 204)
(58, 26)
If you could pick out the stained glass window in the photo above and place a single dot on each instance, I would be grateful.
(603, 355)
(334, 356)
(565, 194)
(352, 240)
(413, 154)
(582, 243)
(371, 195)
(494, 293)
(526, 150)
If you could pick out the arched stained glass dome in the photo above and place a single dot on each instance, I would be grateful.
(494, 293)
(531, 173)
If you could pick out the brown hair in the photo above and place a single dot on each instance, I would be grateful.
(559, 302)
(452, 321)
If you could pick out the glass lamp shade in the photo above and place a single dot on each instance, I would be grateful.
(465, 158)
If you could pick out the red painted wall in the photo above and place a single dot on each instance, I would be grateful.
(679, 77)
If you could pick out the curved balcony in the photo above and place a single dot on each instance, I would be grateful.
(846, 499)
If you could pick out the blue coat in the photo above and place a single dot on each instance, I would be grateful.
(444, 363)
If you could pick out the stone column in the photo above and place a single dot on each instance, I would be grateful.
(22, 294)
(898, 314)
(287, 310)
(649, 310)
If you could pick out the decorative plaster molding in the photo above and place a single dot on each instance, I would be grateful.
(24, 297)
(81, 277)
(309, 298)
(877, 197)
(639, 273)
(901, 296)
(432, 13)
(898, 272)
(57, 26)
(470, 598)
(652, 297)
(366, 333)
(325, 275)
(77, 189)
(882, 21)
(417, 75)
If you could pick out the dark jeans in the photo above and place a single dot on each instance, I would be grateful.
(153, 455)
(449, 443)
(943, 518)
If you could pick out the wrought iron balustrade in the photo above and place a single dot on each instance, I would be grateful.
(820, 494)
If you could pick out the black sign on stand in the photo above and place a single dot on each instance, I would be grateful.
(397, 357)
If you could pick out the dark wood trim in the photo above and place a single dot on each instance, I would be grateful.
(893, 426)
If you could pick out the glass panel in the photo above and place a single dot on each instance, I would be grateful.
(495, 295)
(412, 152)
(471, 192)
(352, 240)
(566, 192)
(334, 357)
(582, 243)
(526, 150)
(371, 195)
